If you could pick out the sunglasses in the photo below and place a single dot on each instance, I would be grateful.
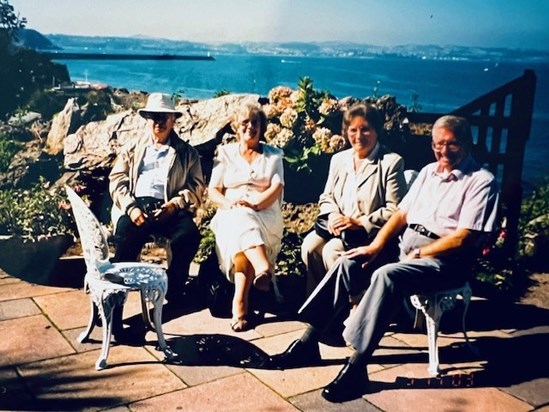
(158, 117)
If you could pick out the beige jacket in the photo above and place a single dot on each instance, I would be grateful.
(185, 186)
(380, 188)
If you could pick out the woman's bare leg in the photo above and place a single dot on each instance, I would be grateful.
(257, 256)
(243, 278)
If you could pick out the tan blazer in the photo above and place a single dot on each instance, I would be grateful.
(380, 187)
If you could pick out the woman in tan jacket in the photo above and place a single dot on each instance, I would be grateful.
(364, 186)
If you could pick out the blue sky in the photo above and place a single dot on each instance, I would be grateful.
(486, 23)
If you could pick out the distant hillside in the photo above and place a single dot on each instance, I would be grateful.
(140, 44)
(34, 40)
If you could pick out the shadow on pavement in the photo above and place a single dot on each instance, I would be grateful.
(217, 350)
(505, 362)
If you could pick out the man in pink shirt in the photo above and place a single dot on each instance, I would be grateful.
(448, 209)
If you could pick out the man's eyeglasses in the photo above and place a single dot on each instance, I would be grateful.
(451, 146)
(158, 117)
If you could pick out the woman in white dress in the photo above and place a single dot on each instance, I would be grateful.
(247, 183)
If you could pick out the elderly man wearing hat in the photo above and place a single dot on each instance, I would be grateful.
(156, 185)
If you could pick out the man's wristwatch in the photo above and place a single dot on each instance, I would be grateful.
(417, 253)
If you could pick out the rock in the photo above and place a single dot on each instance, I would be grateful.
(24, 119)
(209, 119)
(96, 144)
(64, 123)
(29, 165)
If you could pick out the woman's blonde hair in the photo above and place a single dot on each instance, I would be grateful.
(250, 111)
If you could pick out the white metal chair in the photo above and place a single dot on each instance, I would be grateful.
(433, 306)
(149, 279)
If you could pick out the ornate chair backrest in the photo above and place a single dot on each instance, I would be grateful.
(92, 235)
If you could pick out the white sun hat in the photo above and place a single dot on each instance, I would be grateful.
(159, 103)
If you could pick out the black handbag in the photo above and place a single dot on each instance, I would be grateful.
(220, 296)
(321, 227)
(350, 238)
(215, 289)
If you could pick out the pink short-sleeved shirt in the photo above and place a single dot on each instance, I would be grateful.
(465, 198)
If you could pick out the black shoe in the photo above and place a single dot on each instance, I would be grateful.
(297, 355)
(351, 383)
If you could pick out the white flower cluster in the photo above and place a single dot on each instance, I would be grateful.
(288, 117)
(280, 98)
(328, 107)
(327, 141)
(301, 120)
(281, 138)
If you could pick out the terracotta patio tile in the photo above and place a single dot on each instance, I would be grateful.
(313, 401)
(202, 322)
(30, 339)
(18, 308)
(117, 409)
(402, 389)
(197, 375)
(71, 382)
(273, 327)
(7, 279)
(94, 343)
(21, 289)
(535, 391)
(66, 310)
(236, 393)
(291, 382)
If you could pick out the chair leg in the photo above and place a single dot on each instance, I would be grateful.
(158, 301)
(145, 311)
(94, 314)
(466, 300)
(432, 332)
(106, 308)
(106, 317)
(433, 322)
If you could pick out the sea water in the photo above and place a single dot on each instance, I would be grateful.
(441, 85)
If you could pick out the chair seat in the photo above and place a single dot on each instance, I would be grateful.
(433, 306)
(137, 275)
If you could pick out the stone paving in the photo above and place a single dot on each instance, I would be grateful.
(43, 367)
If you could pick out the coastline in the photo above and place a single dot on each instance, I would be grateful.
(122, 56)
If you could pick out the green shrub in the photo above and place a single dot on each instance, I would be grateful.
(507, 273)
(46, 103)
(289, 259)
(8, 148)
(35, 213)
(534, 227)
